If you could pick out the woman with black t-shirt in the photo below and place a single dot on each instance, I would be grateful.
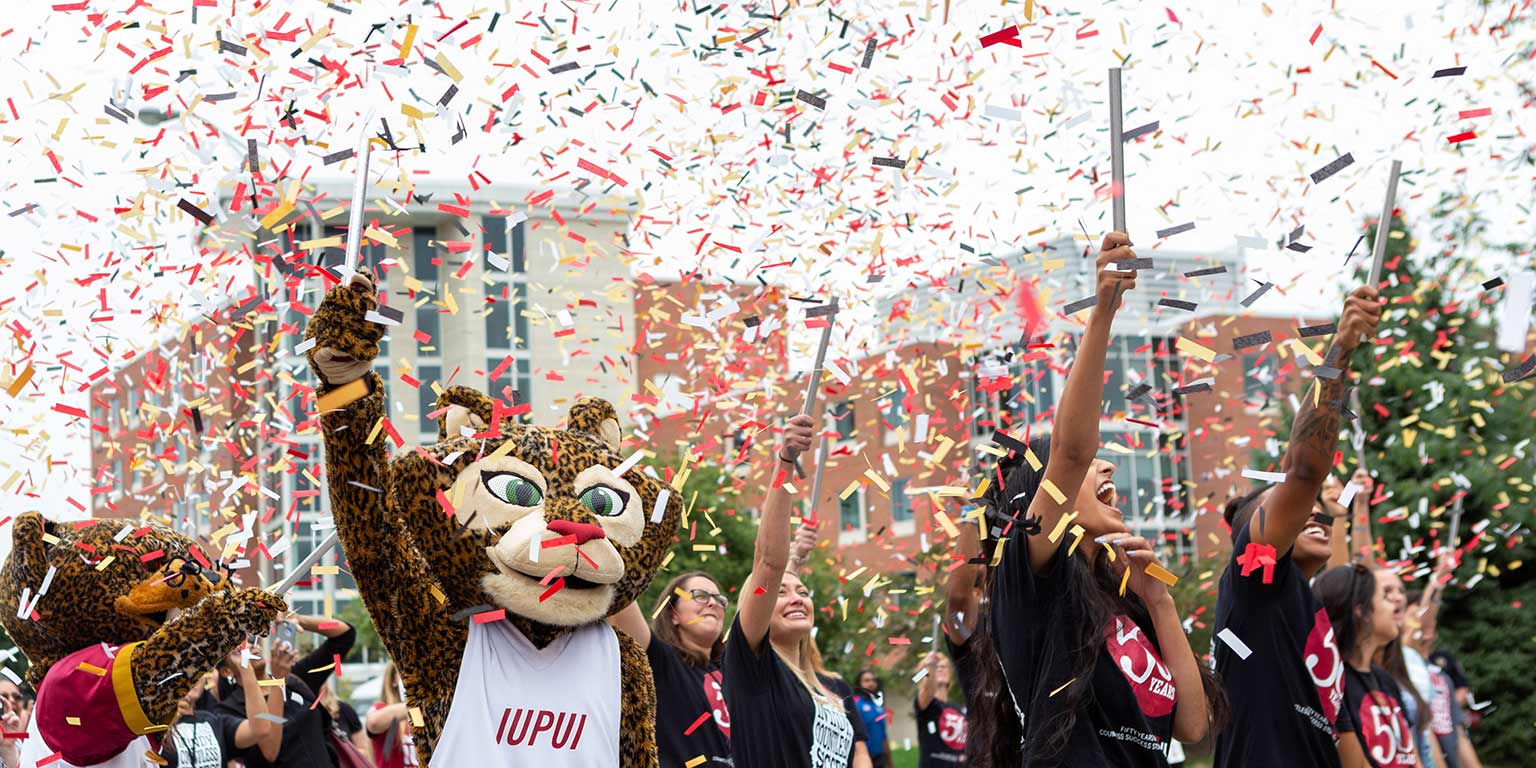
(684, 647)
(1366, 613)
(782, 715)
(306, 724)
(200, 737)
(1093, 654)
(940, 726)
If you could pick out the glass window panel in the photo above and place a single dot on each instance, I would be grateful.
(842, 414)
(901, 503)
(426, 398)
(424, 253)
(848, 514)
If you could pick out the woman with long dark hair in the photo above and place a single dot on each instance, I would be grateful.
(1096, 668)
(683, 643)
(1366, 611)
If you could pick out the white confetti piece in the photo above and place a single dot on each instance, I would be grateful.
(1235, 643)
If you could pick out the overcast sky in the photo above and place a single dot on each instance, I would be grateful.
(1004, 146)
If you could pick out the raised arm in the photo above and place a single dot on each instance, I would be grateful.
(770, 554)
(1338, 533)
(801, 548)
(317, 667)
(1075, 430)
(1315, 433)
(1192, 710)
(1360, 508)
(631, 621)
(256, 730)
(927, 689)
(961, 608)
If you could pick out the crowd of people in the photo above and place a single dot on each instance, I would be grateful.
(1062, 643)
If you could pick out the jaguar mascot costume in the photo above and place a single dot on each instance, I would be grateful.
(491, 560)
(119, 620)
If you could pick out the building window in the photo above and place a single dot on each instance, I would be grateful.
(423, 256)
(850, 518)
(841, 413)
(1258, 376)
(506, 296)
(901, 503)
(427, 398)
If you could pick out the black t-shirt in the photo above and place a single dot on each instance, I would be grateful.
(685, 693)
(203, 739)
(304, 726)
(940, 734)
(844, 691)
(1294, 662)
(1377, 705)
(347, 722)
(1126, 718)
(776, 723)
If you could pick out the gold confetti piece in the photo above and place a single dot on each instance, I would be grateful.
(1050, 488)
(877, 480)
(1034, 463)
(1077, 538)
(694, 761)
(944, 522)
(102, 566)
(325, 570)
(380, 236)
(1063, 687)
(92, 668)
(410, 37)
(343, 395)
(1061, 527)
(71, 720)
(1125, 578)
(416, 719)
(1196, 349)
(21, 381)
(1161, 574)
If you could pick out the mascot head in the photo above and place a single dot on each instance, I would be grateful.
(71, 585)
(534, 520)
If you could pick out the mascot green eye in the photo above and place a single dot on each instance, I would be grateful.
(512, 489)
(604, 501)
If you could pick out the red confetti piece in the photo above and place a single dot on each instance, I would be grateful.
(1006, 36)
(1460, 137)
(559, 541)
(704, 718)
(1315, 33)
(1467, 114)
(553, 588)
(1378, 65)
(1172, 17)
(486, 617)
(442, 500)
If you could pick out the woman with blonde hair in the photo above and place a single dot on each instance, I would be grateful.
(783, 715)
(388, 724)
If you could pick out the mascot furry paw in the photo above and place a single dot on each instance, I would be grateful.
(118, 621)
(490, 561)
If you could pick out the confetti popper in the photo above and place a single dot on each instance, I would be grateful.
(1455, 522)
(354, 247)
(359, 194)
(814, 384)
(1357, 439)
(1117, 152)
(1383, 229)
(304, 566)
(821, 465)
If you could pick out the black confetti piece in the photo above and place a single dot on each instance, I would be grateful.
(228, 47)
(253, 162)
(1252, 297)
(1202, 386)
(1129, 265)
(1079, 305)
(811, 99)
(1345, 160)
(1298, 247)
(1177, 304)
(196, 212)
(1450, 72)
(821, 311)
(1317, 330)
(1136, 133)
(1138, 391)
(197, 420)
(1520, 371)
(392, 313)
(1252, 340)
(1010, 442)
(336, 157)
(754, 36)
(869, 54)
(1207, 271)
(218, 97)
(28, 208)
(566, 67)
(1171, 231)
(890, 162)
(448, 95)
(1492, 284)
(753, 321)
(110, 110)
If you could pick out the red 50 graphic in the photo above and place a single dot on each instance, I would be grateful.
(1384, 731)
(1142, 667)
(1325, 665)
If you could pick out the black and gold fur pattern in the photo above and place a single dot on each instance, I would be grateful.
(126, 601)
(422, 571)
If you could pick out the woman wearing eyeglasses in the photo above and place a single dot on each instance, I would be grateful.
(1366, 613)
(683, 643)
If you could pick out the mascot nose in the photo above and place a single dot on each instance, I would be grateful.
(584, 532)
